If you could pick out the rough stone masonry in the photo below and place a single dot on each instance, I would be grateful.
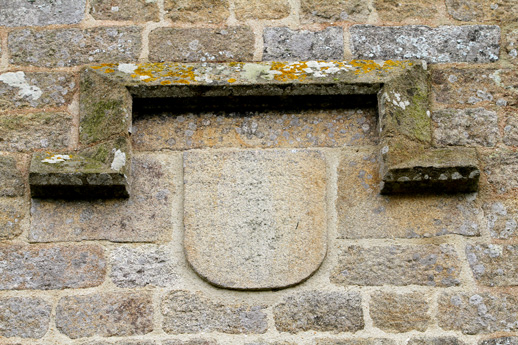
(250, 188)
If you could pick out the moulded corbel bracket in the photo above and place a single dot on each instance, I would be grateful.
(101, 166)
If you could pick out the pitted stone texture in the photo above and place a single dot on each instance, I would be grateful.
(319, 311)
(201, 44)
(399, 11)
(471, 86)
(494, 264)
(190, 342)
(41, 13)
(105, 315)
(474, 313)
(264, 129)
(435, 341)
(322, 11)
(500, 341)
(27, 132)
(261, 9)
(265, 213)
(511, 130)
(45, 267)
(364, 213)
(196, 11)
(281, 43)
(501, 169)
(502, 219)
(73, 47)
(24, 317)
(11, 179)
(13, 217)
(428, 264)
(399, 312)
(20, 90)
(466, 127)
(142, 266)
(469, 43)
(355, 341)
(511, 43)
(465, 10)
(122, 342)
(192, 312)
(144, 217)
(134, 10)
(265, 342)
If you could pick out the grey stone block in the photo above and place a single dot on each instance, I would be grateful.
(41, 13)
(469, 43)
(24, 317)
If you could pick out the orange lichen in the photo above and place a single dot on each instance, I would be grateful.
(165, 82)
(232, 80)
(109, 70)
(292, 71)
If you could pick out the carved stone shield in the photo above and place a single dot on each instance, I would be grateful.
(255, 219)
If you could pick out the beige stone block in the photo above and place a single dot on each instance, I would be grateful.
(400, 10)
(14, 213)
(364, 213)
(105, 315)
(334, 10)
(200, 44)
(133, 10)
(193, 312)
(428, 265)
(197, 11)
(399, 312)
(46, 267)
(255, 219)
(261, 9)
(494, 264)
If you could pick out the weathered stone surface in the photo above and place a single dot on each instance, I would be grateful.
(480, 86)
(134, 10)
(13, 217)
(122, 342)
(398, 11)
(399, 312)
(46, 267)
(281, 43)
(466, 127)
(73, 47)
(435, 341)
(502, 218)
(11, 179)
(474, 313)
(192, 312)
(190, 342)
(100, 171)
(294, 129)
(265, 342)
(511, 130)
(363, 213)
(258, 240)
(511, 43)
(427, 264)
(494, 264)
(334, 10)
(24, 317)
(465, 10)
(500, 341)
(144, 217)
(31, 13)
(319, 311)
(200, 44)
(142, 266)
(501, 169)
(469, 43)
(261, 9)
(35, 131)
(355, 341)
(105, 315)
(193, 11)
(20, 90)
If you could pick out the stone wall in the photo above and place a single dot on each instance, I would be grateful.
(406, 270)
